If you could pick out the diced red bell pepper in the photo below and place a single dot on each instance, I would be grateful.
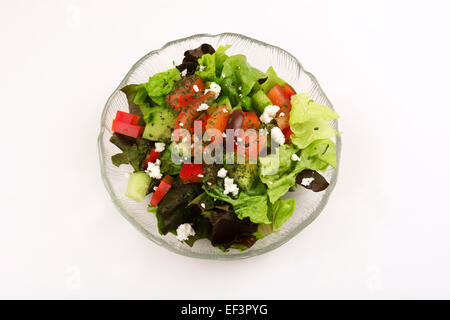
(161, 191)
(288, 90)
(218, 119)
(204, 121)
(126, 117)
(152, 156)
(127, 129)
(287, 134)
(278, 97)
(191, 173)
(200, 85)
(251, 121)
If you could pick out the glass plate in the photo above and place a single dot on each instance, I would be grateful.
(259, 54)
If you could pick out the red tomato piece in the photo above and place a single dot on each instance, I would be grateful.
(183, 95)
(185, 119)
(287, 134)
(218, 119)
(288, 90)
(191, 173)
(127, 129)
(251, 121)
(152, 156)
(161, 191)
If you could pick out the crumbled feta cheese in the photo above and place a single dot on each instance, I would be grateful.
(269, 113)
(181, 124)
(307, 181)
(202, 205)
(282, 114)
(224, 135)
(225, 110)
(240, 88)
(200, 175)
(230, 187)
(270, 182)
(195, 87)
(214, 87)
(209, 183)
(184, 231)
(155, 188)
(183, 73)
(202, 107)
(277, 135)
(239, 139)
(153, 169)
(160, 146)
(295, 157)
(222, 173)
(201, 68)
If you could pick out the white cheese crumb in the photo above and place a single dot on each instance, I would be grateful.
(155, 188)
(181, 124)
(222, 173)
(277, 135)
(202, 107)
(153, 169)
(214, 87)
(269, 113)
(200, 175)
(160, 146)
(184, 231)
(307, 181)
(209, 183)
(239, 139)
(183, 73)
(225, 110)
(270, 182)
(282, 114)
(224, 135)
(230, 187)
(202, 205)
(201, 68)
(295, 157)
(195, 87)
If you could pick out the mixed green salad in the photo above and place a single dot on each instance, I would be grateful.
(265, 140)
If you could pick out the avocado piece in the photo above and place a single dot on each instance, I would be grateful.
(225, 101)
(160, 126)
(260, 101)
(245, 175)
(138, 186)
(272, 79)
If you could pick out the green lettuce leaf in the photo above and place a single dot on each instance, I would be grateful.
(254, 207)
(309, 120)
(281, 211)
(319, 155)
(160, 85)
(246, 75)
(208, 62)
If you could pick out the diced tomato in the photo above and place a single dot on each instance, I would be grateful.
(204, 121)
(218, 119)
(183, 95)
(287, 134)
(200, 85)
(282, 122)
(161, 191)
(127, 129)
(152, 156)
(251, 121)
(288, 90)
(126, 117)
(185, 119)
(191, 173)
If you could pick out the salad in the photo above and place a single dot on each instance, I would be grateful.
(219, 145)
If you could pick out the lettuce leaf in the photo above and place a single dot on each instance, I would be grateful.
(160, 85)
(309, 120)
(246, 75)
(281, 211)
(254, 207)
(212, 64)
(278, 171)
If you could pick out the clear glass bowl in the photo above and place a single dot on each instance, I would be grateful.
(259, 54)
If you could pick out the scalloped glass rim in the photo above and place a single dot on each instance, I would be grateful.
(219, 255)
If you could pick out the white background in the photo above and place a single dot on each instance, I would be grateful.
(385, 232)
